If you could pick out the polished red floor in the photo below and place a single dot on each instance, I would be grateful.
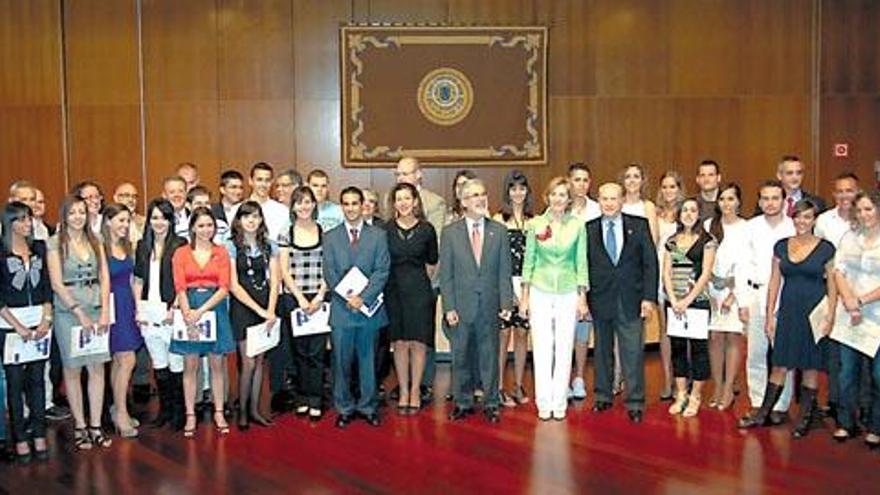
(586, 453)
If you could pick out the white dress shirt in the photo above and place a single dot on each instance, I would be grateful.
(618, 233)
(831, 226)
(761, 236)
(276, 216)
(589, 211)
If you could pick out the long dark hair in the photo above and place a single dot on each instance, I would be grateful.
(63, 230)
(298, 194)
(249, 208)
(194, 217)
(418, 209)
(698, 226)
(457, 209)
(715, 228)
(108, 213)
(167, 211)
(14, 212)
(515, 178)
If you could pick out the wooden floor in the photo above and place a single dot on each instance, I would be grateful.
(426, 454)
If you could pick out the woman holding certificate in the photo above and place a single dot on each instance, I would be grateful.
(254, 284)
(803, 266)
(412, 245)
(201, 279)
(726, 331)
(687, 267)
(857, 274)
(154, 283)
(125, 335)
(25, 310)
(302, 257)
(81, 281)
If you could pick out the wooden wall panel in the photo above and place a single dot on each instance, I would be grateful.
(256, 84)
(103, 93)
(31, 140)
(850, 41)
(180, 51)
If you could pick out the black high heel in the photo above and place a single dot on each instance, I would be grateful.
(96, 434)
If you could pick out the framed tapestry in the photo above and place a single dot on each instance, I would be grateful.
(449, 96)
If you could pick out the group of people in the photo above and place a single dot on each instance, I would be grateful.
(219, 270)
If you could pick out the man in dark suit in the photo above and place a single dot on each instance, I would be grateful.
(354, 243)
(790, 172)
(623, 290)
(475, 286)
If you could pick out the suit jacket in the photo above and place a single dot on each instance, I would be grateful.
(818, 201)
(435, 208)
(463, 283)
(166, 271)
(371, 257)
(632, 280)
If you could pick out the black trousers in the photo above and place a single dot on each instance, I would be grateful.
(25, 382)
(690, 358)
(630, 332)
(308, 356)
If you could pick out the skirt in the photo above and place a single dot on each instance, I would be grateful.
(224, 343)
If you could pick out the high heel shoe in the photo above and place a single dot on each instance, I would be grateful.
(677, 407)
(724, 405)
(98, 438)
(130, 432)
(81, 439)
(257, 419)
(693, 406)
(243, 423)
(223, 428)
(190, 432)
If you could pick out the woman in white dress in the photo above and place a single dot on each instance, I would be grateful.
(726, 331)
(634, 181)
(669, 197)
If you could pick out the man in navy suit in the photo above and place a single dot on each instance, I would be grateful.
(355, 243)
(623, 290)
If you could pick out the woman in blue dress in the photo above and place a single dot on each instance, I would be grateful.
(125, 335)
(804, 263)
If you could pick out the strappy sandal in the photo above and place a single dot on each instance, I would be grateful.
(506, 400)
(190, 432)
(221, 429)
(81, 439)
(519, 395)
(96, 434)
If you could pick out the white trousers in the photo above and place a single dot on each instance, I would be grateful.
(553, 317)
(157, 347)
(757, 369)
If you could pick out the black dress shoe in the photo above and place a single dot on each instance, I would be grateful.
(460, 413)
(778, 417)
(343, 420)
(427, 394)
(372, 419)
(635, 416)
(492, 415)
(601, 406)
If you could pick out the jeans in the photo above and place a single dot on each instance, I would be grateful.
(850, 365)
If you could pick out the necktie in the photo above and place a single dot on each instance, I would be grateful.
(790, 209)
(354, 237)
(611, 243)
(477, 242)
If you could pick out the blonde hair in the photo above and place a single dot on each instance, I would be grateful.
(553, 184)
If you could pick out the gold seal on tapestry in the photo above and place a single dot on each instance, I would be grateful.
(445, 96)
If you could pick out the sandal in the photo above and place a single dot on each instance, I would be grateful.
(190, 432)
(693, 406)
(223, 428)
(506, 400)
(96, 434)
(681, 401)
(519, 395)
(81, 440)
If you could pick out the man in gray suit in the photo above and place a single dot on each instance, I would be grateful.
(355, 243)
(475, 286)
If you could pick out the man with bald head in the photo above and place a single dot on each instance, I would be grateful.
(127, 194)
(623, 272)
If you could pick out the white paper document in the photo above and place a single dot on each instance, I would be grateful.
(314, 324)
(207, 326)
(29, 316)
(260, 340)
(353, 283)
(20, 351)
(88, 342)
(864, 337)
(694, 324)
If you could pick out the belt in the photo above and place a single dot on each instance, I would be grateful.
(755, 285)
(81, 283)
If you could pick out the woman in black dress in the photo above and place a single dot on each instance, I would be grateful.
(254, 281)
(412, 244)
(516, 210)
(805, 263)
